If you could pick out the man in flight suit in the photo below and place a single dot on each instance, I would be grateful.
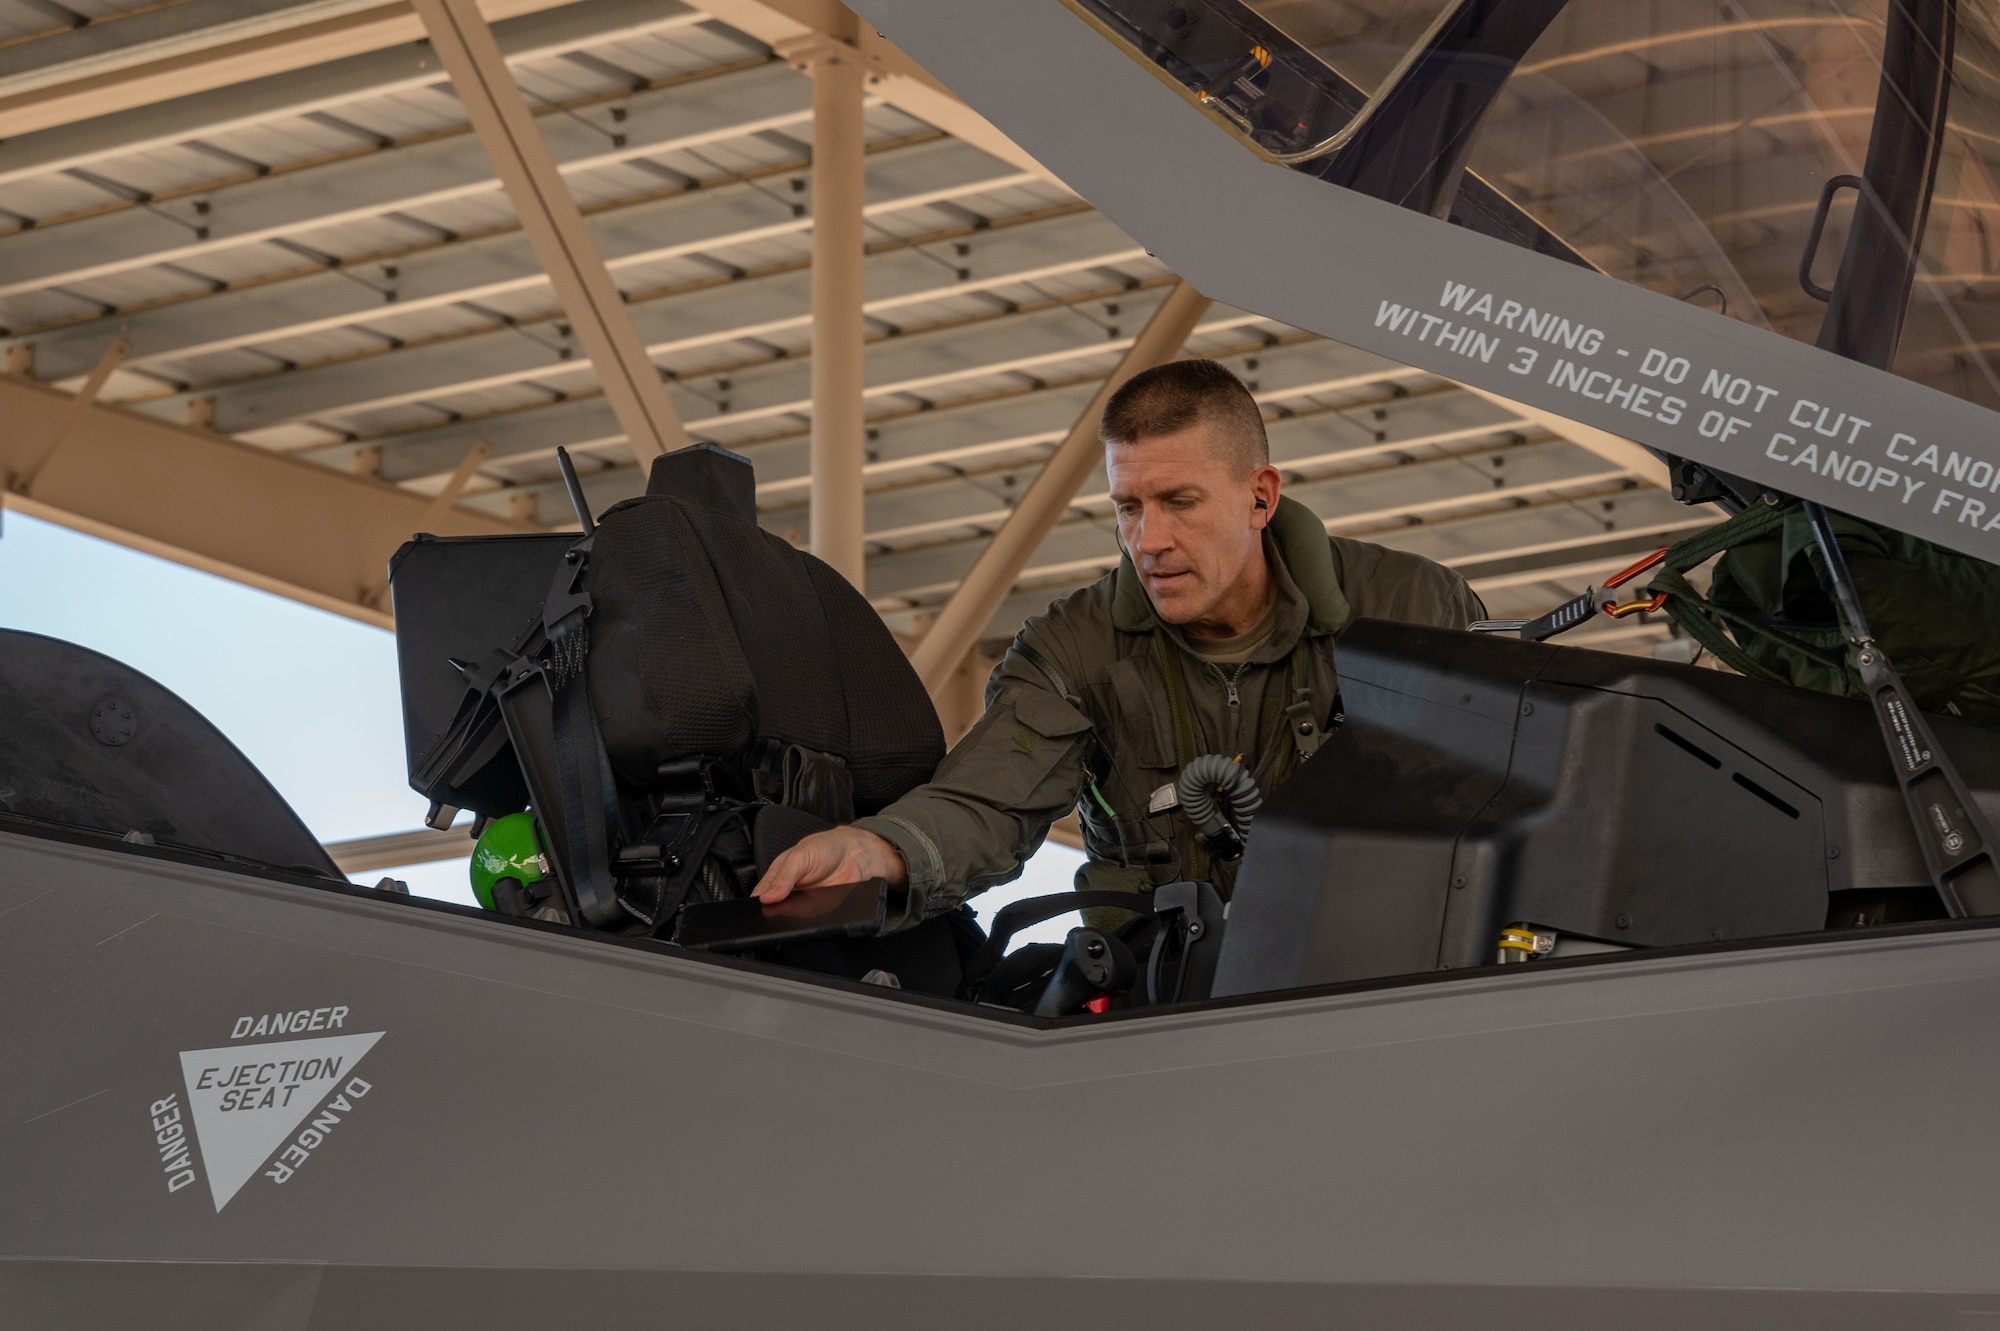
(1214, 635)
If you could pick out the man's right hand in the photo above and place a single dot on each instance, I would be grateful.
(827, 859)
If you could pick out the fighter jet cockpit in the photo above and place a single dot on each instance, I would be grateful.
(679, 696)
(1487, 799)
(1589, 951)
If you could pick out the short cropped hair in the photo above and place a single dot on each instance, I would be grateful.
(1171, 397)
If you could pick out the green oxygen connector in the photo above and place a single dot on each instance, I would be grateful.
(508, 852)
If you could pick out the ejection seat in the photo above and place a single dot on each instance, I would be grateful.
(676, 693)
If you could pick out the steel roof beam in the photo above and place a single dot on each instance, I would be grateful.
(756, 393)
(430, 170)
(206, 44)
(398, 69)
(920, 367)
(676, 329)
(290, 527)
(151, 33)
(488, 267)
(1293, 373)
(525, 443)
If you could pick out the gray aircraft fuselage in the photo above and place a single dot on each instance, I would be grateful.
(508, 1125)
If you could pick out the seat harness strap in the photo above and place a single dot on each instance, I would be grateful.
(589, 810)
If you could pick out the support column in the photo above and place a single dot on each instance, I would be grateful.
(838, 430)
(554, 226)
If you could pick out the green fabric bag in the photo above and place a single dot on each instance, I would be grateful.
(1935, 611)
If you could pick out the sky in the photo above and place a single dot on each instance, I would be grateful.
(310, 697)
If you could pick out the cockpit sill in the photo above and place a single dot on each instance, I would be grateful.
(13, 826)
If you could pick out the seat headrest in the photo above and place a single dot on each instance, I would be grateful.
(707, 477)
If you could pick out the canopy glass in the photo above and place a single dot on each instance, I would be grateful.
(1685, 145)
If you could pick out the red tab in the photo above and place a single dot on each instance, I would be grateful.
(1100, 1004)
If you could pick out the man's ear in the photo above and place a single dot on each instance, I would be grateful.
(1264, 484)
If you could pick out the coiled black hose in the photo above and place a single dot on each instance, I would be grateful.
(1218, 796)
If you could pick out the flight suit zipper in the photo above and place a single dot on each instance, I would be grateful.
(1234, 699)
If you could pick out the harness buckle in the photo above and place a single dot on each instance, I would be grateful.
(1305, 728)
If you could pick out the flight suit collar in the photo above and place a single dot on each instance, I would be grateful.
(1306, 577)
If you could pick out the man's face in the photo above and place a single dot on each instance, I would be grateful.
(1190, 522)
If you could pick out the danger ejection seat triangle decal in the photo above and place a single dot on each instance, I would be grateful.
(246, 1099)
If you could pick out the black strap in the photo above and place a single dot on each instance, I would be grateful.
(1033, 910)
(691, 848)
(583, 772)
(589, 801)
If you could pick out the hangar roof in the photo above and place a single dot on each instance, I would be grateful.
(320, 262)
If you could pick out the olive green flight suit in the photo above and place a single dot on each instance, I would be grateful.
(1080, 713)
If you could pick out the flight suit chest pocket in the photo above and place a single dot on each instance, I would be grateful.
(1143, 763)
(1030, 735)
(1144, 738)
